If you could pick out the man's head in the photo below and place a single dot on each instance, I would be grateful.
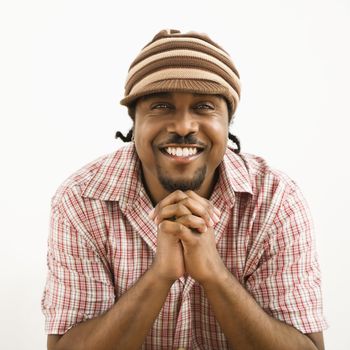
(181, 92)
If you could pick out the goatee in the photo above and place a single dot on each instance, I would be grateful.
(193, 184)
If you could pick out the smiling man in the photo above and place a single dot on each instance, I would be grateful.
(181, 139)
(179, 240)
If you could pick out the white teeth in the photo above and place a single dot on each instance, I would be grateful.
(181, 152)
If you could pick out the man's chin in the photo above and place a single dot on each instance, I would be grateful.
(172, 186)
(183, 184)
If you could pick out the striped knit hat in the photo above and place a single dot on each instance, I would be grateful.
(182, 62)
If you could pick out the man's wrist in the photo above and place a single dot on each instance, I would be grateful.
(157, 277)
(218, 280)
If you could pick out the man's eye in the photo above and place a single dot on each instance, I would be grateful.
(161, 106)
(204, 106)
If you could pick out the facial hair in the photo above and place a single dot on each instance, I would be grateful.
(195, 183)
(172, 185)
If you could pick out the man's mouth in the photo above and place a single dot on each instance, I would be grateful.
(182, 151)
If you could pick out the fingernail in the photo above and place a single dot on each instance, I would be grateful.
(203, 230)
(151, 213)
(211, 222)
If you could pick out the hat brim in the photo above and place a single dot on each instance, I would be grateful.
(182, 85)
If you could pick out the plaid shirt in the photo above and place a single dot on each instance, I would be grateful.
(101, 241)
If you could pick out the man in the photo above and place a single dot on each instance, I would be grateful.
(177, 240)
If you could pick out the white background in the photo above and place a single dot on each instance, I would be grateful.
(62, 70)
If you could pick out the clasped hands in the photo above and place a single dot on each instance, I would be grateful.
(185, 239)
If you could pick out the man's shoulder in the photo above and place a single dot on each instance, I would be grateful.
(76, 183)
(262, 175)
(260, 167)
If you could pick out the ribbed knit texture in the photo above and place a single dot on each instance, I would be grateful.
(182, 62)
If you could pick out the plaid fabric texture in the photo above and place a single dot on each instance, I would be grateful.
(101, 241)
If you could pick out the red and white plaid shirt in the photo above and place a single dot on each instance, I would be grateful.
(101, 241)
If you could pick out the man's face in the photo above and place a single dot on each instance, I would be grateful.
(180, 139)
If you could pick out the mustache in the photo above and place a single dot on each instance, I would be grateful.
(184, 140)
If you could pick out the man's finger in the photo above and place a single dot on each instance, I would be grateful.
(215, 212)
(174, 228)
(193, 222)
(171, 212)
(186, 206)
(172, 198)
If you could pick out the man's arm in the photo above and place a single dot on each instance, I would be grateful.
(125, 325)
(244, 323)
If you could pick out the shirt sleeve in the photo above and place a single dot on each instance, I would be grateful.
(79, 284)
(287, 281)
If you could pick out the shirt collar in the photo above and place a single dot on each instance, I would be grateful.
(233, 178)
(119, 178)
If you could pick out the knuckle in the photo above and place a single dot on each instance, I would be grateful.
(180, 228)
(179, 194)
(165, 225)
(209, 205)
(178, 206)
(183, 210)
(186, 200)
(160, 204)
(162, 226)
(185, 219)
(168, 227)
(158, 211)
(207, 216)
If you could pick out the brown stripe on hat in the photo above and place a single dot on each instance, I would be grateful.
(181, 62)
(190, 44)
(185, 55)
(176, 62)
(175, 34)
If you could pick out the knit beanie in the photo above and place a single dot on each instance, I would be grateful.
(182, 62)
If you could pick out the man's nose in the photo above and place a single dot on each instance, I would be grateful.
(183, 123)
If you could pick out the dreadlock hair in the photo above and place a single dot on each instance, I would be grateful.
(127, 138)
(236, 141)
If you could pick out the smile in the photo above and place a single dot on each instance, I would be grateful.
(183, 152)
